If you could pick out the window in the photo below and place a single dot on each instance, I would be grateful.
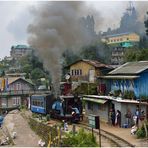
(80, 72)
(72, 72)
(77, 72)
(16, 101)
(90, 106)
(37, 102)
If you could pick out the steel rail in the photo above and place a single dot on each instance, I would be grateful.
(118, 141)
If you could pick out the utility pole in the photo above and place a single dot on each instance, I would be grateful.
(146, 24)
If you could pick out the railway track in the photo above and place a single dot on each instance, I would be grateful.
(110, 138)
(115, 140)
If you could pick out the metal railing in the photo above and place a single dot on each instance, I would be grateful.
(22, 92)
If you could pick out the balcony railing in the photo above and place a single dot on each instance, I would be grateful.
(22, 92)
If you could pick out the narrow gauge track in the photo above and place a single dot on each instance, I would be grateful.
(117, 141)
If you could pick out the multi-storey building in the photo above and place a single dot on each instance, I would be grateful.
(20, 51)
(119, 44)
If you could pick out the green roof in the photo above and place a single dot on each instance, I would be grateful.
(29, 81)
(20, 46)
(100, 101)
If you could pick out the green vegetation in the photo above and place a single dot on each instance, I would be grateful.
(44, 131)
(136, 55)
(86, 88)
(23, 107)
(143, 98)
(128, 94)
(117, 93)
(96, 51)
(141, 133)
(80, 139)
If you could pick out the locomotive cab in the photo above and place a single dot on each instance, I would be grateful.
(67, 108)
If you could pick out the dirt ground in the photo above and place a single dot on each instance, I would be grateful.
(25, 137)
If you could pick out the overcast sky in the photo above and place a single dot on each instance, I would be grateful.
(15, 17)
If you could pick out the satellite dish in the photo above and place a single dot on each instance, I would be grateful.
(67, 76)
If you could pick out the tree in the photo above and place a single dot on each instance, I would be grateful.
(36, 75)
(142, 55)
(68, 58)
(27, 68)
(89, 52)
(130, 55)
(96, 51)
(3, 73)
(136, 55)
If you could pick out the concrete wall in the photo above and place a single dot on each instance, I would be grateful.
(123, 107)
(123, 38)
(11, 101)
(20, 85)
(98, 109)
(85, 68)
(103, 109)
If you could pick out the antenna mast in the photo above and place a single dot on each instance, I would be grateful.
(130, 8)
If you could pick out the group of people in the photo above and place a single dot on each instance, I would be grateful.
(115, 118)
(131, 119)
(134, 117)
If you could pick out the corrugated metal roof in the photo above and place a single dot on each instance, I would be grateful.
(131, 68)
(120, 34)
(68, 97)
(95, 100)
(117, 99)
(95, 63)
(13, 79)
(118, 77)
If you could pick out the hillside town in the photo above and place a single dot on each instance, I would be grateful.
(98, 90)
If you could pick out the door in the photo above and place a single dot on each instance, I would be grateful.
(92, 76)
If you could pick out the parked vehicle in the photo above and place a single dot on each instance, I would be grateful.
(42, 87)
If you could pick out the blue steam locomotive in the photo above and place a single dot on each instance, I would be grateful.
(63, 108)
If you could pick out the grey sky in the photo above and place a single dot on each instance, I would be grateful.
(15, 18)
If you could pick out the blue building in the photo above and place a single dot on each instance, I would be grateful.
(130, 80)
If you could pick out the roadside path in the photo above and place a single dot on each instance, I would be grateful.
(25, 136)
(124, 133)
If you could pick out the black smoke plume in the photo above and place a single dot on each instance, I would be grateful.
(56, 27)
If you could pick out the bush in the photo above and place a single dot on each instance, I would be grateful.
(117, 93)
(128, 94)
(81, 139)
(23, 107)
(48, 117)
(86, 88)
(34, 115)
(141, 131)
